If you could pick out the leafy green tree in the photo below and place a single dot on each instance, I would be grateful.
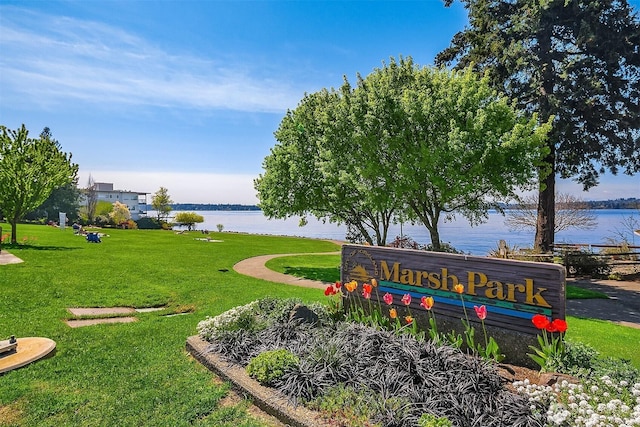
(62, 199)
(575, 61)
(30, 169)
(190, 219)
(161, 203)
(317, 168)
(462, 147)
(406, 142)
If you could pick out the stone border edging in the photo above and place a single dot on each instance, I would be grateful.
(265, 398)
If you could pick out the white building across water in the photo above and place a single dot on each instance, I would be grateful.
(136, 201)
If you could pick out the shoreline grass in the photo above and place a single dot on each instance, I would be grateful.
(139, 374)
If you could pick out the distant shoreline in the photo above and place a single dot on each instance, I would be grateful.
(628, 203)
(213, 207)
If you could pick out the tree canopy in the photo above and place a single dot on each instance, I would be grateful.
(161, 203)
(576, 61)
(407, 142)
(30, 169)
(189, 219)
(62, 199)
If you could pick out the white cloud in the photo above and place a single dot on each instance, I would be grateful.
(182, 187)
(72, 60)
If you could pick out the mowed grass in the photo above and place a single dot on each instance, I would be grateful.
(609, 339)
(135, 374)
(139, 374)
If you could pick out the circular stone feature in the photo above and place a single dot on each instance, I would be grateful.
(28, 350)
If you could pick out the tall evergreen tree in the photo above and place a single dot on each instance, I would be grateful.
(577, 61)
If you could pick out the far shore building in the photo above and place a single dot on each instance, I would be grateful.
(136, 201)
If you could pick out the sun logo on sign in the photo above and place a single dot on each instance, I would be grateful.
(359, 266)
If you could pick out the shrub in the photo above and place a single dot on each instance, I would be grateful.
(428, 420)
(147, 223)
(585, 263)
(238, 318)
(444, 247)
(269, 367)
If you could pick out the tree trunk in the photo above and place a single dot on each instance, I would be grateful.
(546, 197)
(14, 231)
(435, 238)
(546, 213)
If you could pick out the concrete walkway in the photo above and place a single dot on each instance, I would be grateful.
(622, 307)
(7, 258)
(255, 267)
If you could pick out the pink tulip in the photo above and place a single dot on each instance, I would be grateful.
(406, 299)
(388, 298)
(481, 311)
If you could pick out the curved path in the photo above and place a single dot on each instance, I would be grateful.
(255, 267)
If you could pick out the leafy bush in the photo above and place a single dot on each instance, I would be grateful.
(146, 223)
(268, 367)
(428, 420)
(585, 263)
(240, 318)
(444, 247)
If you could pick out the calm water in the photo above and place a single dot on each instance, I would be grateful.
(478, 240)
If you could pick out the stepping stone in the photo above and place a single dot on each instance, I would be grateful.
(100, 311)
(7, 258)
(90, 322)
(28, 350)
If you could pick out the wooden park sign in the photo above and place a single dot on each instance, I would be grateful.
(512, 291)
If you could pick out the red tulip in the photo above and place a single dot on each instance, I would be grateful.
(366, 288)
(406, 299)
(540, 321)
(329, 291)
(366, 294)
(559, 325)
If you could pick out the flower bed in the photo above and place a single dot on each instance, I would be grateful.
(362, 375)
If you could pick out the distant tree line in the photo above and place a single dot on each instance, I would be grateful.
(629, 203)
(213, 207)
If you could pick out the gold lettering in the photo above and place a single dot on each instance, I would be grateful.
(495, 290)
(385, 274)
(454, 280)
(471, 280)
(539, 300)
(407, 277)
(421, 275)
(511, 290)
(434, 280)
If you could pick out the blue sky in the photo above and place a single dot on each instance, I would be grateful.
(187, 95)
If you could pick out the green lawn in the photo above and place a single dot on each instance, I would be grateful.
(126, 374)
(139, 374)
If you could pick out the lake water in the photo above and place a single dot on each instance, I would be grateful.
(478, 240)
